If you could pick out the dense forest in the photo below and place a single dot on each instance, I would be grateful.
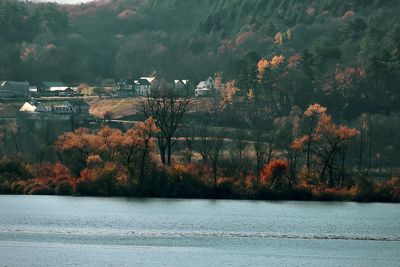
(175, 38)
(306, 102)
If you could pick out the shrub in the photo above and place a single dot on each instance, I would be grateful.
(18, 187)
(84, 187)
(274, 173)
(40, 189)
(65, 188)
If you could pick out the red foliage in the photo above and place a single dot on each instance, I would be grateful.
(274, 171)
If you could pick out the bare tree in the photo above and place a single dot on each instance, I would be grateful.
(168, 110)
(263, 149)
(239, 151)
(365, 148)
(189, 133)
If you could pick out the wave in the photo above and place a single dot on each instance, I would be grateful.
(194, 234)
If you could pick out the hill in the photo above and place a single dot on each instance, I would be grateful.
(176, 38)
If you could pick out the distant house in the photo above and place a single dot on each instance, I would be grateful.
(144, 85)
(14, 89)
(55, 110)
(33, 89)
(54, 88)
(205, 88)
(126, 88)
(79, 106)
(183, 87)
(67, 92)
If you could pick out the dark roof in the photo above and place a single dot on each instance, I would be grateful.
(77, 102)
(53, 84)
(130, 81)
(14, 83)
(144, 82)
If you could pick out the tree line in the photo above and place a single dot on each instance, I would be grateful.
(304, 155)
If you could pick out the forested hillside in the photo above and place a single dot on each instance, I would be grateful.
(177, 38)
(305, 103)
(340, 53)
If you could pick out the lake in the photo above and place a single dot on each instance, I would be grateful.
(71, 231)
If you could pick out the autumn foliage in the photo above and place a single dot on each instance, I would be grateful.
(274, 173)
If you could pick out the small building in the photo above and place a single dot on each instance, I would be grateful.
(14, 89)
(79, 106)
(205, 88)
(55, 110)
(33, 89)
(54, 88)
(67, 92)
(143, 86)
(183, 87)
(126, 88)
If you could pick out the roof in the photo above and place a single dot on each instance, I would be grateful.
(53, 84)
(58, 88)
(181, 81)
(78, 102)
(28, 107)
(130, 82)
(201, 84)
(149, 79)
(19, 85)
(144, 82)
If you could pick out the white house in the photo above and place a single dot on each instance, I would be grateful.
(205, 88)
(55, 110)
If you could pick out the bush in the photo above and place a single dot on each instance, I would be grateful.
(41, 189)
(11, 170)
(65, 188)
(18, 187)
(274, 173)
(84, 187)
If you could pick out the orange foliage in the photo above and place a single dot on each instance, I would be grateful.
(275, 170)
(277, 60)
(326, 127)
(228, 92)
(262, 66)
(299, 143)
(314, 109)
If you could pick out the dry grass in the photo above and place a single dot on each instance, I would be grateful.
(130, 106)
(118, 106)
(10, 108)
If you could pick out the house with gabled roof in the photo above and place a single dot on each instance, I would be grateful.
(205, 88)
(55, 88)
(144, 85)
(126, 88)
(14, 89)
(55, 110)
(183, 87)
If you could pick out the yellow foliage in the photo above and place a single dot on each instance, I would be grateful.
(262, 66)
(277, 60)
(314, 109)
(278, 38)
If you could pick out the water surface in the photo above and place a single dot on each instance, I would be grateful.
(68, 231)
